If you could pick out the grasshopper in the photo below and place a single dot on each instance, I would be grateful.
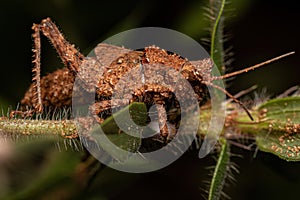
(55, 89)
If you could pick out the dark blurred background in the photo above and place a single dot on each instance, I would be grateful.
(259, 30)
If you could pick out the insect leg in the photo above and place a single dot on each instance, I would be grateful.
(36, 70)
(162, 120)
(69, 55)
(67, 52)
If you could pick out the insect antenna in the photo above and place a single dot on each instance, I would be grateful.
(231, 96)
(240, 72)
(252, 67)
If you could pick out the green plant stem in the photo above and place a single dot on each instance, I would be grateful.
(217, 48)
(220, 172)
(64, 128)
(276, 127)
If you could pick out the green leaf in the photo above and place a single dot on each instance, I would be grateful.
(286, 110)
(283, 145)
(280, 131)
(112, 132)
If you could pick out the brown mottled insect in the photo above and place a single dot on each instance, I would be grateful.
(55, 89)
